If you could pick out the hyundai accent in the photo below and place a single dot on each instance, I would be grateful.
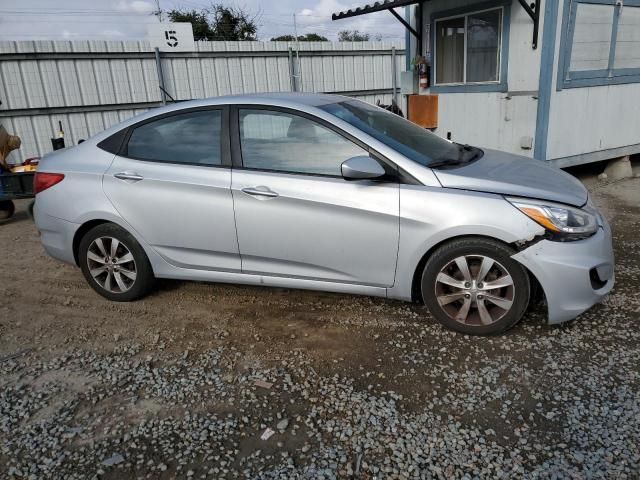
(328, 193)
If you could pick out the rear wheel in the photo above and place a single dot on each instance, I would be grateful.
(7, 209)
(30, 209)
(473, 286)
(114, 264)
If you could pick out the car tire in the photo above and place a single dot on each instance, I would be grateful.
(7, 209)
(114, 264)
(461, 298)
(32, 204)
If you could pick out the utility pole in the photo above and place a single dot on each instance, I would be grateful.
(158, 12)
(295, 31)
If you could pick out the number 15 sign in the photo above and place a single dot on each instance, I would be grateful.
(172, 37)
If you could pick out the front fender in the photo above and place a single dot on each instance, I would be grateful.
(430, 216)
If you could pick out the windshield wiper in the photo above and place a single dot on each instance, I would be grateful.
(475, 152)
(462, 149)
(447, 162)
(461, 160)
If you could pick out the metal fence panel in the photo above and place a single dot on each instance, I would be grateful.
(92, 85)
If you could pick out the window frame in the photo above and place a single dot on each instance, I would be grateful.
(501, 85)
(393, 171)
(225, 147)
(592, 78)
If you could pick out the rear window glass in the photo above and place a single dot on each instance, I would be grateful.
(191, 138)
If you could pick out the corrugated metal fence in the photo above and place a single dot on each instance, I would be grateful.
(91, 85)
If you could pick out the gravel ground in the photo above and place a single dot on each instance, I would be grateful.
(186, 382)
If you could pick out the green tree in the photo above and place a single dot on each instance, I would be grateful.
(314, 37)
(198, 20)
(309, 37)
(218, 23)
(353, 36)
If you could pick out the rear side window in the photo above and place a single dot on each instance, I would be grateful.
(190, 138)
(283, 142)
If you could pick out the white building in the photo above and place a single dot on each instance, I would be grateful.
(557, 80)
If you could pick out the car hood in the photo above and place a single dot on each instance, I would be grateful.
(508, 174)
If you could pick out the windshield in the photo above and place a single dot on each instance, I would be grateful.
(409, 139)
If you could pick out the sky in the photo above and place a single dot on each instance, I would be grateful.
(128, 19)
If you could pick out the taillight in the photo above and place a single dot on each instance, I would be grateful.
(43, 180)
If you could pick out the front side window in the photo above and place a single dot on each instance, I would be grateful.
(284, 142)
(468, 48)
(190, 138)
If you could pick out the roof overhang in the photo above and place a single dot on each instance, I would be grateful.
(374, 7)
(387, 5)
(532, 9)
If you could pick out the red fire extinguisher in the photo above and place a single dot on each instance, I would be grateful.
(423, 75)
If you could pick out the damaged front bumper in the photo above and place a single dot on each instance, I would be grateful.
(574, 275)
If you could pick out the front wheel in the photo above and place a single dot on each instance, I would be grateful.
(114, 263)
(473, 286)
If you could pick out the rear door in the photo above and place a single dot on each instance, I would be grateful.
(295, 214)
(171, 182)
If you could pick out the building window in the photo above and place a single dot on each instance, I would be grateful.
(468, 48)
(627, 53)
(592, 37)
(601, 45)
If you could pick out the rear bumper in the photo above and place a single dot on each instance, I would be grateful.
(573, 275)
(56, 235)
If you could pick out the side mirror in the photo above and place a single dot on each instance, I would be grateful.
(362, 168)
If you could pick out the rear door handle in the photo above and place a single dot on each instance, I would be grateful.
(260, 191)
(129, 176)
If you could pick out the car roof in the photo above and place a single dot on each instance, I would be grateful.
(274, 98)
(312, 99)
(298, 101)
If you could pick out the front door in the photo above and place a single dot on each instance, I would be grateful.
(172, 185)
(295, 214)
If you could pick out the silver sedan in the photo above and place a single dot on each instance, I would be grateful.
(328, 193)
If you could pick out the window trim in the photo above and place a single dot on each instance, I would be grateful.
(592, 78)
(236, 148)
(500, 85)
(225, 148)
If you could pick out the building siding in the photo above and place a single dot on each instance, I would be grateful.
(496, 120)
(586, 122)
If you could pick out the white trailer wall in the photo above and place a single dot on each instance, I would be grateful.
(496, 120)
(593, 123)
(91, 85)
(587, 121)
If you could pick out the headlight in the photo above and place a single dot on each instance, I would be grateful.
(566, 222)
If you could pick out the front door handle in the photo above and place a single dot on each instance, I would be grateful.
(134, 177)
(260, 191)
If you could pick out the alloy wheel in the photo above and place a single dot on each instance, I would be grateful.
(111, 264)
(475, 290)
